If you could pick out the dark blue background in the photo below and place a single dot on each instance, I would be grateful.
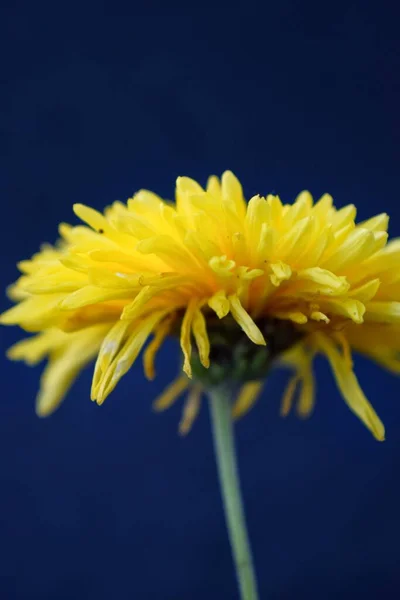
(98, 100)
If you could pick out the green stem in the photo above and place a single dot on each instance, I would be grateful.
(222, 425)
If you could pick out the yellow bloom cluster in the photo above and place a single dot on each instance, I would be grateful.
(148, 268)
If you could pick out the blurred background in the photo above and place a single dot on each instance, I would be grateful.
(99, 100)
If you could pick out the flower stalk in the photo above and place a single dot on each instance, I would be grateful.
(223, 434)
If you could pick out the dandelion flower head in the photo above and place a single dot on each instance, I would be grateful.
(242, 285)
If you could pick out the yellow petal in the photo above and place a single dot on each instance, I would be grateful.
(191, 410)
(292, 315)
(280, 272)
(140, 302)
(385, 358)
(287, 399)
(220, 304)
(266, 243)
(174, 255)
(64, 366)
(344, 217)
(323, 207)
(34, 349)
(378, 223)
(63, 281)
(317, 315)
(327, 281)
(222, 265)
(306, 399)
(92, 217)
(275, 210)
(232, 193)
(365, 292)
(33, 308)
(349, 308)
(243, 319)
(214, 187)
(118, 280)
(171, 393)
(152, 349)
(359, 245)
(127, 355)
(296, 239)
(350, 388)
(92, 295)
(256, 215)
(246, 399)
(109, 349)
(383, 312)
(186, 343)
(55, 382)
(185, 188)
(200, 335)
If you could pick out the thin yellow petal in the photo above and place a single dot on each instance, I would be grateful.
(246, 399)
(214, 187)
(378, 223)
(151, 351)
(200, 335)
(55, 382)
(92, 217)
(118, 280)
(350, 388)
(191, 410)
(127, 355)
(287, 398)
(64, 366)
(31, 308)
(31, 350)
(383, 312)
(186, 343)
(306, 399)
(292, 315)
(365, 292)
(185, 188)
(280, 272)
(92, 295)
(323, 206)
(388, 360)
(171, 394)
(327, 281)
(317, 315)
(349, 308)
(222, 265)
(232, 193)
(243, 319)
(109, 349)
(220, 304)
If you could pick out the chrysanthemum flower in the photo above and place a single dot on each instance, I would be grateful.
(243, 285)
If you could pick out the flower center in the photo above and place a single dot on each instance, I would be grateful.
(235, 358)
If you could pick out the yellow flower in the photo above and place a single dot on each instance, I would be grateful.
(250, 284)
